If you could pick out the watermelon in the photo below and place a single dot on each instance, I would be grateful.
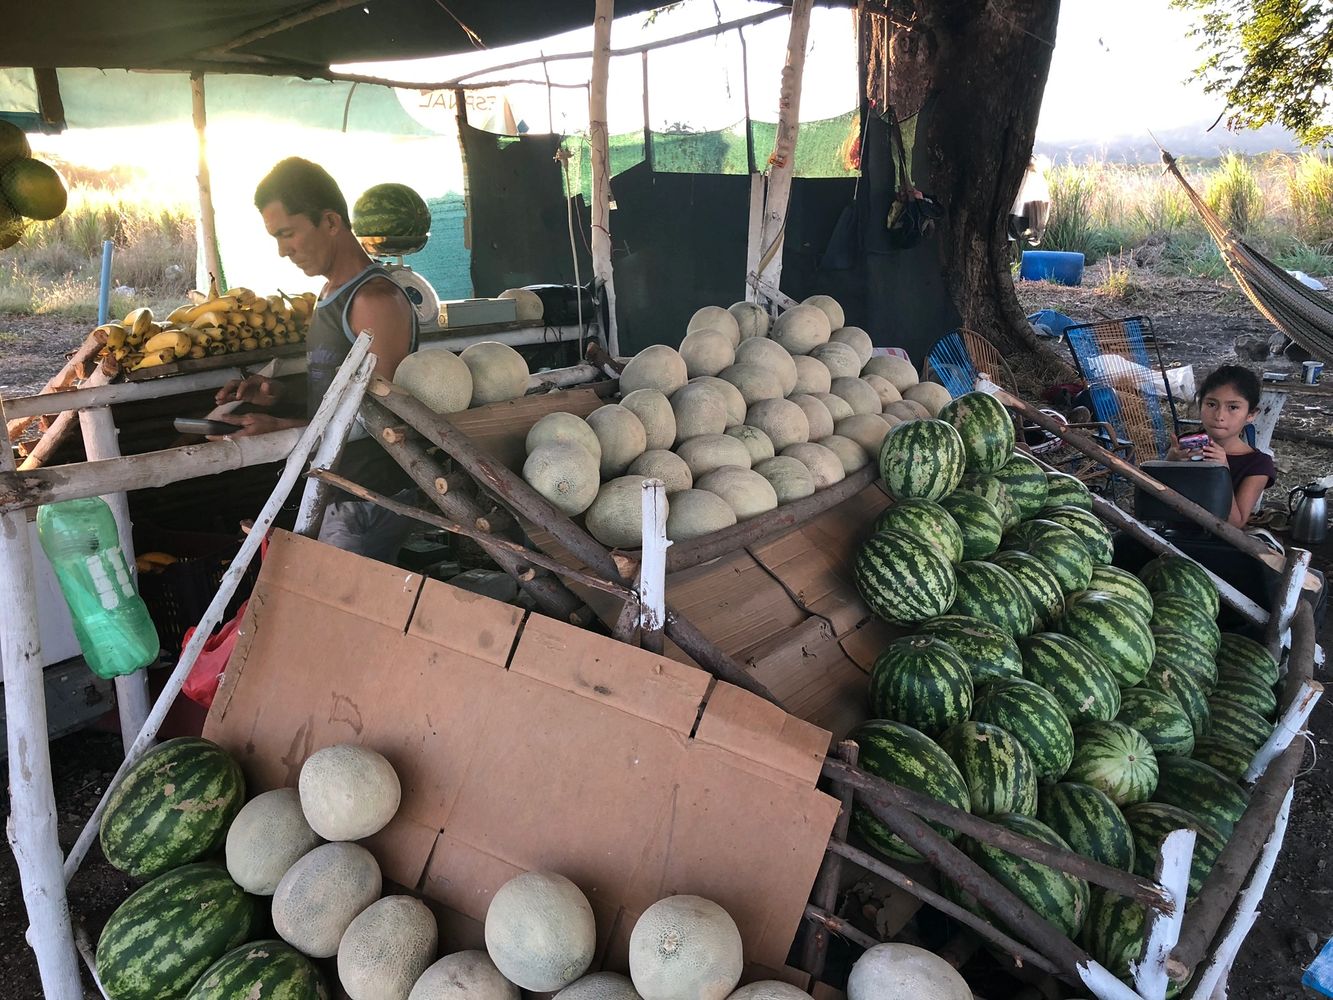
(1181, 614)
(1088, 821)
(1184, 654)
(985, 428)
(988, 650)
(1224, 756)
(33, 189)
(1178, 576)
(921, 458)
(1038, 582)
(1000, 775)
(1089, 529)
(903, 579)
(1126, 586)
(391, 211)
(1033, 716)
(925, 520)
(273, 970)
(1160, 719)
(1025, 483)
(173, 806)
(1115, 758)
(163, 937)
(1115, 630)
(989, 488)
(1249, 691)
(920, 681)
(1114, 936)
(1185, 688)
(1239, 723)
(979, 522)
(990, 593)
(1152, 821)
(1239, 655)
(1082, 684)
(906, 757)
(1201, 791)
(1066, 491)
(1056, 546)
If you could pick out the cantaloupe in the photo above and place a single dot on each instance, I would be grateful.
(616, 519)
(817, 416)
(790, 479)
(800, 329)
(745, 491)
(655, 413)
(829, 306)
(268, 836)
(898, 371)
(840, 360)
(320, 895)
(771, 355)
(893, 971)
(658, 367)
(439, 378)
(559, 427)
(464, 975)
(838, 408)
(715, 318)
(621, 435)
(908, 409)
(707, 352)
(540, 931)
(685, 948)
(850, 454)
(823, 464)
(888, 392)
(564, 474)
(751, 317)
(527, 303)
(697, 512)
(730, 394)
(498, 371)
(933, 396)
(699, 408)
(600, 986)
(759, 444)
(707, 452)
(386, 948)
(812, 375)
(754, 381)
(866, 429)
(860, 396)
(348, 791)
(776, 989)
(855, 338)
(782, 420)
(664, 465)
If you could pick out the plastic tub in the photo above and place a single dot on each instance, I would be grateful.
(1059, 266)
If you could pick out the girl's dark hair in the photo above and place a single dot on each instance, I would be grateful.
(304, 188)
(1242, 379)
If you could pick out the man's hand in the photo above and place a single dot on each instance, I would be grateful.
(250, 424)
(255, 390)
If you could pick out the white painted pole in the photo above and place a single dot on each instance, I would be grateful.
(1287, 729)
(315, 496)
(652, 566)
(1162, 930)
(754, 249)
(208, 232)
(1290, 585)
(601, 166)
(1102, 983)
(32, 829)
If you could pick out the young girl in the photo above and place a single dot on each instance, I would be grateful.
(1228, 400)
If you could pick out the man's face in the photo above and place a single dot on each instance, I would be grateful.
(306, 244)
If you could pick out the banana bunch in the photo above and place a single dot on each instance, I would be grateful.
(237, 321)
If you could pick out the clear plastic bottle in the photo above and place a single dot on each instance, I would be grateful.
(111, 621)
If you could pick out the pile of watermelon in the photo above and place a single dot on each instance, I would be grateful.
(1042, 687)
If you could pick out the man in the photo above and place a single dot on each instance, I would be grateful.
(306, 213)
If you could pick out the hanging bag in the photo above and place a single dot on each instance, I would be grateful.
(913, 215)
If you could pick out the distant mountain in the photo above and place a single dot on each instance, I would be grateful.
(1189, 141)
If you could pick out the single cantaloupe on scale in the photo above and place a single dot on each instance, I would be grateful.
(707, 452)
(499, 372)
(654, 411)
(782, 420)
(699, 408)
(600, 986)
(933, 396)
(892, 971)
(850, 454)
(564, 474)
(564, 428)
(801, 329)
(697, 512)
(855, 338)
(348, 791)
(540, 931)
(621, 435)
(616, 517)
(888, 392)
(755, 382)
(840, 360)
(901, 373)
(776, 989)
(386, 948)
(789, 478)
(464, 975)
(731, 396)
(439, 378)
(751, 317)
(823, 464)
(658, 367)
(321, 894)
(707, 352)
(829, 306)
(268, 836)
(817, 416)
(745, 491)
(771, 355)
(759, 444)
(666, 466)
(860, 396)
(527, 304)
(715, 318)
(812, 375)
(685, 948)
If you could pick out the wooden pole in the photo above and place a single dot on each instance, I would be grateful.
(827, 922)
(828, 882)
(208, 232)
(32, 826)
(61, 427)
(1161, 930)
(19, 421)
(317, 493)
(601, 166)
(652, 568)
(281, 24)
(1288, 727)
(1288, 595)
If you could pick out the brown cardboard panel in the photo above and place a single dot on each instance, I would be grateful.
(734, 601)
(760, 731)
(865, 643)
(502, 428)
(466, 622)
(810, 674)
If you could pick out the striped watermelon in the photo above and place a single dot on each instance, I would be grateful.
(271, 970)
(163, 937)
(1114, 935)
(1159, 718)
(1239, 655)
(1118, 583)
(990, 593)
(1115, 758)
(979, 522)
(1033, 716)
(1250, 691)
(1178, 576)
(985, 428)
(1238, 723)
(1094, 535)
(1000, 775)
(1185, 688)
(1088, 821)
(1082, 684)
(1224, 756)
(900, 754)
(989, 488)
(1180, 614)
(903, 579)
(1185, 654)
(921, 458)
(920, 681)
(1056, 546)
(172, 807)
(1152, 821)
(988, 650)
(1201, 791)
(1025, 483)
(1115, 630)
(1066, 491)
(1038, 583)
(926, 520)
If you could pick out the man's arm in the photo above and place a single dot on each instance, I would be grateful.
(380, 308)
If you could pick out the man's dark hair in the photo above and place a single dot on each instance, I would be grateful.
(1242, 379)
(304, 188)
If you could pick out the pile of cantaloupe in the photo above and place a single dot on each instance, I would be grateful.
(485, 372)
(742, 417)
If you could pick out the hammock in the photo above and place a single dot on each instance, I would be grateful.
(1301, 314)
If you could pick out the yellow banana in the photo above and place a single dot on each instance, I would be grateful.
(281, 329)
(134, 339)
(209, 333)
(178, 314)
(270, 321)
(139, 320)
(233, 346)
(231, 330)
(236, 317)
(120, 353)
(110, 335)
(215, 347)
(242, 295)
(249, 343)
(176, 341)
(258, 304)
(265, 342)
(153, 562)
(221, 305)
(198, 351)
(212, 317)
(155, 358)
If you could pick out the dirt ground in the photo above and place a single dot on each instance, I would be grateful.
(1199, 321)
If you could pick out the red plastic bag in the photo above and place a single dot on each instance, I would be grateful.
(202, 684)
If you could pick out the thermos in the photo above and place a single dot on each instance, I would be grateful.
(1309, 515)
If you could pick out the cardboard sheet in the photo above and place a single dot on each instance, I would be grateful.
(502, 428)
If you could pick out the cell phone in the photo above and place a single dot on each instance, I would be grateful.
(198, 425)
(1192, 442)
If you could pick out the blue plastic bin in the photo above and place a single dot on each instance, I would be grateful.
(1060, 266)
